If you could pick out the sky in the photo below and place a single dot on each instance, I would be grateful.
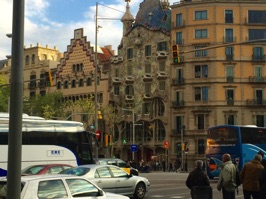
(52, 22)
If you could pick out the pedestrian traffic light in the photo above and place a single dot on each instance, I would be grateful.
(49, 79)
(176, 54)
(100, 116)
(108, 140)
(166, 144)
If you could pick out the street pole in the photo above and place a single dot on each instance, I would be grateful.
(16, 104)
(95, 77)
(133, 136)
(182, 151)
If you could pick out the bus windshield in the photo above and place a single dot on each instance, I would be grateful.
(222, 137)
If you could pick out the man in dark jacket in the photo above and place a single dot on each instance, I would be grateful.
(197, 177)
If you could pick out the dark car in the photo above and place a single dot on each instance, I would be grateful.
(41, 169)
(117, 162)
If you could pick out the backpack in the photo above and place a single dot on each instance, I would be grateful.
(238, 181)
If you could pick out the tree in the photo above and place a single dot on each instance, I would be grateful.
(48, 106)
(4, 94)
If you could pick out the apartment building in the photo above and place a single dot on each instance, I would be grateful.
(224, 83)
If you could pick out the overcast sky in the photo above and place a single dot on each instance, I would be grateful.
(52, 22)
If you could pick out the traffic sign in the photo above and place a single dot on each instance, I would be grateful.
(134, 148)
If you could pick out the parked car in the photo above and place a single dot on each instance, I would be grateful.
(58, 186)
(45, 169)
(117, 162)
(113, 179)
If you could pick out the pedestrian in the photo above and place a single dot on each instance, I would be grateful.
(227, 178)
(164, 165)
(197, 178)
(171, 166)
(249, 177)
(261, 153)
(262, 181)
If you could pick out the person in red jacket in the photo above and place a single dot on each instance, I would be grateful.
(249, 177)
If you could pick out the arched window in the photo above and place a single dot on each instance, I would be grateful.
(73, 83)
(33, 59)
(27, 62)
(65, 84)
(81, 83)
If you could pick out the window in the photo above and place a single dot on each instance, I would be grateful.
(229, 52)
(129, 70)
(52, 188)
(260, 120)
(81, 83)
(229, 16)
(89, 82)
(162, 65)
(230, 94)
(258, 54)
(230, 119)
(257, 16)
(147, 87)
(258, 74)
(162, 46)
(179, 38)
(116, 89)
(104, 172)
(130, 53)
(201, 146)
(255, 34)
(162, 85)
(117, 72)
(148, 68)
(201, 71)
(200, 15)
(147, 50)
(129, 90)
(27, 62)
(73, 83)
(179, 125)
(118, 172)
(229, 73)
(65, 84)
(201, 93)
(179, 20)
(58, 85)
(259, 96)
(200, 121)
(201, 33)
(229, 36)
(33, 59)
(201, 53)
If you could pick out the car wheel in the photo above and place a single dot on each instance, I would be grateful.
(140, 191)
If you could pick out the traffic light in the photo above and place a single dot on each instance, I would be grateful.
(183, 146)
(166, 144)
(98, 134)
(176, 54)
(108, 140)
(49, 79)
(100, 116)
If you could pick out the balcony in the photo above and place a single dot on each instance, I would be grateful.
(230, 79)
(147, 77)
(129, 79)
(230, 102)
(178, 104)
(178, 81)
(229, 57)
(258, 58)
(256, 102)
(116, 80)
(256, 79)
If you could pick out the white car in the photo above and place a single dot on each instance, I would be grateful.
(112, 179)
(58, 186)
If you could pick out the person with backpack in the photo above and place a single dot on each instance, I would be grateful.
(227, 178)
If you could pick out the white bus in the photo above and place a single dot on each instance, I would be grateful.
(47, 141)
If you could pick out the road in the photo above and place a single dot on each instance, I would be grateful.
(171, 185)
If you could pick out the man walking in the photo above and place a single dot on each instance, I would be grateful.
(197, 178)
(249, 177)
(227, 178)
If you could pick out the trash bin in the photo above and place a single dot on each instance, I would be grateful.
(202, 192)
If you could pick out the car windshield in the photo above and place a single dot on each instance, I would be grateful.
(32, 169)
(78, 171)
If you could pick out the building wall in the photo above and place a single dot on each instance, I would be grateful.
(217, 107)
